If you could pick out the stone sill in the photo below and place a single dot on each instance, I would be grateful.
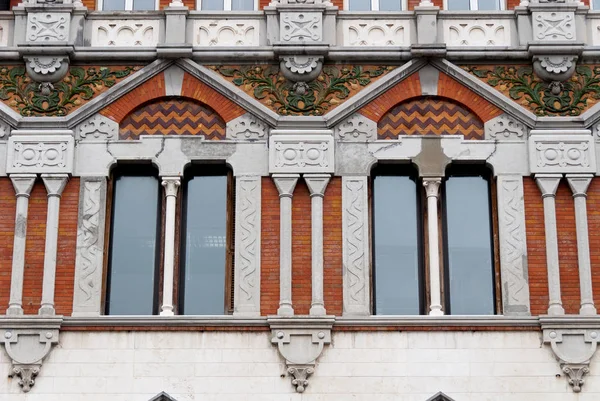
(438, 321)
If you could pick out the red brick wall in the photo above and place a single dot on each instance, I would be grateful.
(536, 247)
(301, 249)
(67, 243)
(7, 228)
(332, 247)
(269, 243)
(593, 209)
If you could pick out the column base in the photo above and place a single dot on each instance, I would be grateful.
(317, 310)
(436, 311)
(587, 310)
(285, 310)
(555, 310)
(167, 312)
(46, 310)
(14, 310)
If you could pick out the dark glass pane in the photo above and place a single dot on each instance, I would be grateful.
(133, 246)
(205, 246)
(212, 5)
(4, 5)
(470, 268)
(390, 5)
(113, 5)
(459, 5)
(359, 5)
(242, 5)
(488, 5)
(144, 5)
(396, 246)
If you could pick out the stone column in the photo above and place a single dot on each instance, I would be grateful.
(548, 183)
(285, 185)
(317, 183)
(432, 187)
(55, 184)
(355, 246)
(87, 292)
(171, 185)
(247, 246)
(23, 183)
(513, 252)
(579, 184)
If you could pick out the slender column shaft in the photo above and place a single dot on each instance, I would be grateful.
(55, 184)
(579, 185)
(548, 184)
(23, 183)
(432, 187)
(171, 185)
(317, 185)
(285, 185)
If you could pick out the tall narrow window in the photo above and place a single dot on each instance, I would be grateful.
(473, 5)
(134, 245)
(469, 256)
(205, 243)
(135, 5)
(397, 244)
(226, 5)
(376, 5)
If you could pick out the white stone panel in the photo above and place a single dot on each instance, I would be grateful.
(40, 154)
(562, 154)
(297, 152)
(4, 32)
(553, 26)
(477, 32)
(125, 33)
(226, 32)
(377, 32)
(48, 27)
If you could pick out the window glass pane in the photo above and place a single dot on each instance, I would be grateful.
(459, 5)
(596, 4)
(205, 246)
(133, 246)
(488, 5)
(209, 5)
(390, 5)
(469, 246)
(4, 5)
(359, 5)
(242, 5)
(113, 5)
(144, 5)
(396, 246)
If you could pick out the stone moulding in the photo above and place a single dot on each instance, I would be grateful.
(300, 341)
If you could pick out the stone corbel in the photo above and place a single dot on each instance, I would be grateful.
(28, 342)
(574, 343)
(300, 342)
(47, 70)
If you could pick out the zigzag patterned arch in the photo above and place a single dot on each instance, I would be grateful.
(430, 115)
(173, 116)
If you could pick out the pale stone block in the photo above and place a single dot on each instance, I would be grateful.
(381, 340)
(248, 355)
(119, 385)
(106, 340)
(439, 369)
(162, 369)
(150, 339)
(177, 355)
(342, 340)
(79, 385)
(431, 340)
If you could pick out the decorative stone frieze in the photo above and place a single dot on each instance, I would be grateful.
(247, 246)
(246, 127)
(297, 151)
(569, 153)
(300, 342)
(27, 344)
(87, 292)
(125, 33)
(477, 32)
(376, 32)
(357, 128)
(226, 32)
(553, 25)
(48, 27)
(302, 26)
(97, 127)
(504, 127)
(40, 153)
(573, 348)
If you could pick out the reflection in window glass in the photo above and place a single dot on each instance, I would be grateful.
(113, 5)
(212, 5)
(459, 5)
(242, 5)
(359, 5)
(390, 5)
(396, 246)
(133, 246)
(469, 252)
(144, 5)
(205, 246)
(488, 5)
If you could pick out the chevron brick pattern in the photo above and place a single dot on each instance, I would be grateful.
(429, 116)
(173, 117)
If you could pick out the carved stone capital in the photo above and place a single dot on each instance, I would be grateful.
(432, 186)
(285, 183)
(27, 345)
(317, 183)
(548, 183)
(171, 185)
(23, 183)
(55, 183)
(300, 342)
(579, 183)
(573, 348)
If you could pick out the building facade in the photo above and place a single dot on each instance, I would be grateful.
(299, 200)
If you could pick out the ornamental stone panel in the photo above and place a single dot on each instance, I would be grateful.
(297, 152)
(40, 153)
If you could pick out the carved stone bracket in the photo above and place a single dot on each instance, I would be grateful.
(300, 342)
(27, 344)
(572, 347)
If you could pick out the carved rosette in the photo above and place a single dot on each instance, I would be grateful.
(555, 69)
(301, 69)
(46, 70)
